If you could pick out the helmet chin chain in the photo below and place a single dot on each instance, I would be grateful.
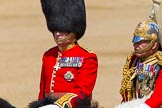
(65, 39)
(146, 49)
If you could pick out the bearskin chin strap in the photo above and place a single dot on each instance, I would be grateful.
(65, 39)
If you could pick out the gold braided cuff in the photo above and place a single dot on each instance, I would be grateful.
(65, 99)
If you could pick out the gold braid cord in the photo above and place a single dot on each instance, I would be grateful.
(126, 85)
(127, 90)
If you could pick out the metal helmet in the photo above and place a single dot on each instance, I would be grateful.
(146, 30)
(150, 29)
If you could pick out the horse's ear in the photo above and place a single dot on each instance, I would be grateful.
(5, 104)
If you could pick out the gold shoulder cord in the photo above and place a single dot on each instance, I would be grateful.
(126, 84)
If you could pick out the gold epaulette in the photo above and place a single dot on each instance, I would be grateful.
(86, 49)
(155, 58)
(151, 61)
(158, 55)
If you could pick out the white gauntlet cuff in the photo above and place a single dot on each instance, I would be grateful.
(143, 106)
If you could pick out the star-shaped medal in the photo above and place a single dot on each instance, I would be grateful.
(57, 67)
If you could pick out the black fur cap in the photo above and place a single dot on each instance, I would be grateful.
(65, 16)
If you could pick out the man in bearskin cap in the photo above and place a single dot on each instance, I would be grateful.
(69, 71)
(142, 74)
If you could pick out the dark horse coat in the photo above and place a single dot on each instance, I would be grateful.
(46, 101)
(5, 104)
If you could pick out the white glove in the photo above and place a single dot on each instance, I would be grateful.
(143, 106)
(50, 106)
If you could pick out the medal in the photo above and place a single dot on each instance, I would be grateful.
(69, 76)
(71, 61)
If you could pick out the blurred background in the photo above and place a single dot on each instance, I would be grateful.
(24, 38)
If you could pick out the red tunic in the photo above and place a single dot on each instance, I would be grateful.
(156, 98)
(82, 77)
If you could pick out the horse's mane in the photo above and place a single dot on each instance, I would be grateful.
(48, 100)
(43, 102)
(5, 104)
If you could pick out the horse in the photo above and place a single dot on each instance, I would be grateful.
(5, 104)
(85, 103)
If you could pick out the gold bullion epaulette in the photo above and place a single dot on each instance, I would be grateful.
(151, 61)
(86, 49)
(155, 58)
(159, 57)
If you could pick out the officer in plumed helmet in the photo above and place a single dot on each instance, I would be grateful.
(141, 86)
(69, 71)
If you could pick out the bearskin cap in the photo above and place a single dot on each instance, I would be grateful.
(65, 15)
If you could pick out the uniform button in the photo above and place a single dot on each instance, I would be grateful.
(52, 85)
